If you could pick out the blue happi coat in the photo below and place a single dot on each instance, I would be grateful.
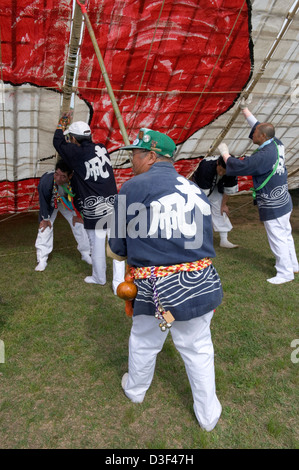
(162, 219)
(46, 195)
(274, 199)
(95, 182)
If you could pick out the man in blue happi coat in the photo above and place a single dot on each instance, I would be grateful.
(96, 191)
(163, 228)
(267, 167)
(56, 194)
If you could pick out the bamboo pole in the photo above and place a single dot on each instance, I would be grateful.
(71, 60)
(105, 74)
(70, 67)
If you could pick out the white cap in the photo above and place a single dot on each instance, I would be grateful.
(79, 128)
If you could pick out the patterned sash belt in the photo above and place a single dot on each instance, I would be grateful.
(161, 271)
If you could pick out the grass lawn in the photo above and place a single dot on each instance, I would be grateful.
(66, 349)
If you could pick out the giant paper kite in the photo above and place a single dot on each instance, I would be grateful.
(177, 66)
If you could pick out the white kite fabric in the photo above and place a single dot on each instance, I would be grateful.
(275, 97)
(29, 114)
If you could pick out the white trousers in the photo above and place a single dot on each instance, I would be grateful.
(221, 222)
(193, 340)
(44, 240)
(279, 232)
(97, 240)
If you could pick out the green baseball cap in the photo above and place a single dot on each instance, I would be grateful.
(148, 139)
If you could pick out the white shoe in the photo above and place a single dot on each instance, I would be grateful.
(227, 244)
(91, 280)
(115, 286)
(210, 427)
(278, 280)
(124, 380)
(87, 259)
(41, 266)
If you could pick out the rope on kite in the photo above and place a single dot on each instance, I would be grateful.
(245, 94)
(104, 73)
(4, 126)
(145, 66)
(71, 64)
(212, 71)
(292, 173)
(69, 77)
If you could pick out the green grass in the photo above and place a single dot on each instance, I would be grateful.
(66, 348)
